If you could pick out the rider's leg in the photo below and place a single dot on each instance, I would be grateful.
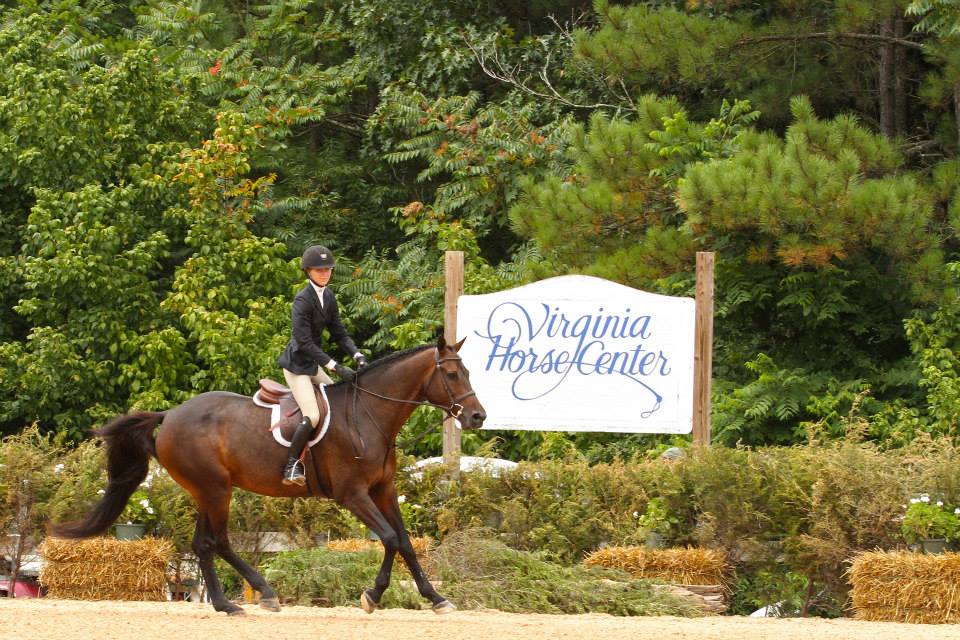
(302, 388)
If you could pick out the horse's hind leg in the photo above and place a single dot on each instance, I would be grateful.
(204, 545)
(219, 542)
(268, 597)
(386, 501)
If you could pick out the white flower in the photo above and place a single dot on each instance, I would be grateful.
(924, 498)
(150, 510)
(957, 511)
(939, 503)
(914, 500)
(58, 468)
(100, 492)
(401, 499)
(145, 503)
(636, 515)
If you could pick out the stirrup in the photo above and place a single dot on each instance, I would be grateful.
(293, 476)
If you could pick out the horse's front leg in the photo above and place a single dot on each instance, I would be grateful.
(362, 506)
(386, 501)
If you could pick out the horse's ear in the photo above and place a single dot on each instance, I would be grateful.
(457, 346)
(441, 342)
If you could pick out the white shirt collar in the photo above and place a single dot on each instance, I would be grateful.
(319, 291)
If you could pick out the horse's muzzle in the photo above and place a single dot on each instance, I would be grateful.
(473, 419)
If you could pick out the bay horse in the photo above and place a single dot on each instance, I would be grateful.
(219, 440)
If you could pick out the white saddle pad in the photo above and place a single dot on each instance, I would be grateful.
(275, 418)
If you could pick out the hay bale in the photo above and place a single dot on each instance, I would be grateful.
(906, 587)
(681, 566)
(354, 545)
(105, 569)
(693, 574)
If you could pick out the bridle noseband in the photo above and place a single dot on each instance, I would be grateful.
(455, 410)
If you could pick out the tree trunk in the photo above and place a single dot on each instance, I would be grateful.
(899, 80)
(886, 80)
(956, 107)
(15, 569)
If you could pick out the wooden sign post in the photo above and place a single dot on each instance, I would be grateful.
(453, 269)
(703, 349)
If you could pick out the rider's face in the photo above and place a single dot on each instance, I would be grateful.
(320, 275)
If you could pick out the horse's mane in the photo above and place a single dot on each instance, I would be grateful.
(387, 359)
(396, 355)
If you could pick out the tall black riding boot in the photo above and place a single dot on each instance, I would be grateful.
(292, 472)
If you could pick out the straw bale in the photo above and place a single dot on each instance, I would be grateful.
(105, 569)
(683, 566)
(354, 545)
(906, 587)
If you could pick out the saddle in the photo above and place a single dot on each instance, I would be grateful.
(285, 413)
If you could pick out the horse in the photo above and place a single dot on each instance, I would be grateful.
(219, 440)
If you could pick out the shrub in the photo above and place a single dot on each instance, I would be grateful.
(926, 519)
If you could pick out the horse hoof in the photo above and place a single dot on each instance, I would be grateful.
(270, 604)
(444, 606)
(367, 603)
(236, 612)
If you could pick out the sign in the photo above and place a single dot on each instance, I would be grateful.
(577, 353)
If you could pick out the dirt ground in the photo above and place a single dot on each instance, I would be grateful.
(73, 620)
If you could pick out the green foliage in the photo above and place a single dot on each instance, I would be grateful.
(777, 513)
(161, 163)
(333, 578)
(29, 475)
(657, 518)
(619, 192)
(926, 519)
(479, 571)
(786, 518)
(936, 342)
(939, 16)
(825, 194)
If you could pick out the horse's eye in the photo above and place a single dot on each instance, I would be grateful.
(451, 375)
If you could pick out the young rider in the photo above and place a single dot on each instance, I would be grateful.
(303, 361)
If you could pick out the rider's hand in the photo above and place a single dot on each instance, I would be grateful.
(360, 359)
(345, 372)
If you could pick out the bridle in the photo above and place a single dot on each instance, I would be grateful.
(453, 410)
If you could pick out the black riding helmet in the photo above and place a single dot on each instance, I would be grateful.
(317, 257)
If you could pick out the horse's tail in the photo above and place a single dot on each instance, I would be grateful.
(130, 443)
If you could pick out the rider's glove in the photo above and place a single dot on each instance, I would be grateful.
(360, 359)
(345, 372)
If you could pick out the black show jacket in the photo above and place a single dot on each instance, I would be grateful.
(303, 353)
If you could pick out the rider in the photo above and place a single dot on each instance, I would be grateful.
(303, 361)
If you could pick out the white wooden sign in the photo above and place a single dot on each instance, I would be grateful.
(577, 353)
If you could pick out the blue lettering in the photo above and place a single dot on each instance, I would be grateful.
(599, 343)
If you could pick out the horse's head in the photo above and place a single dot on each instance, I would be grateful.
(449, 386)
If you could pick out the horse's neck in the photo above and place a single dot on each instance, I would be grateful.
(400, 385)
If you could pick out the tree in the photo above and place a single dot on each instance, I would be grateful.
(826, 245)
(854, 56)
(942, 19)
(85, 171)
(612, 214)
(28, 478)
